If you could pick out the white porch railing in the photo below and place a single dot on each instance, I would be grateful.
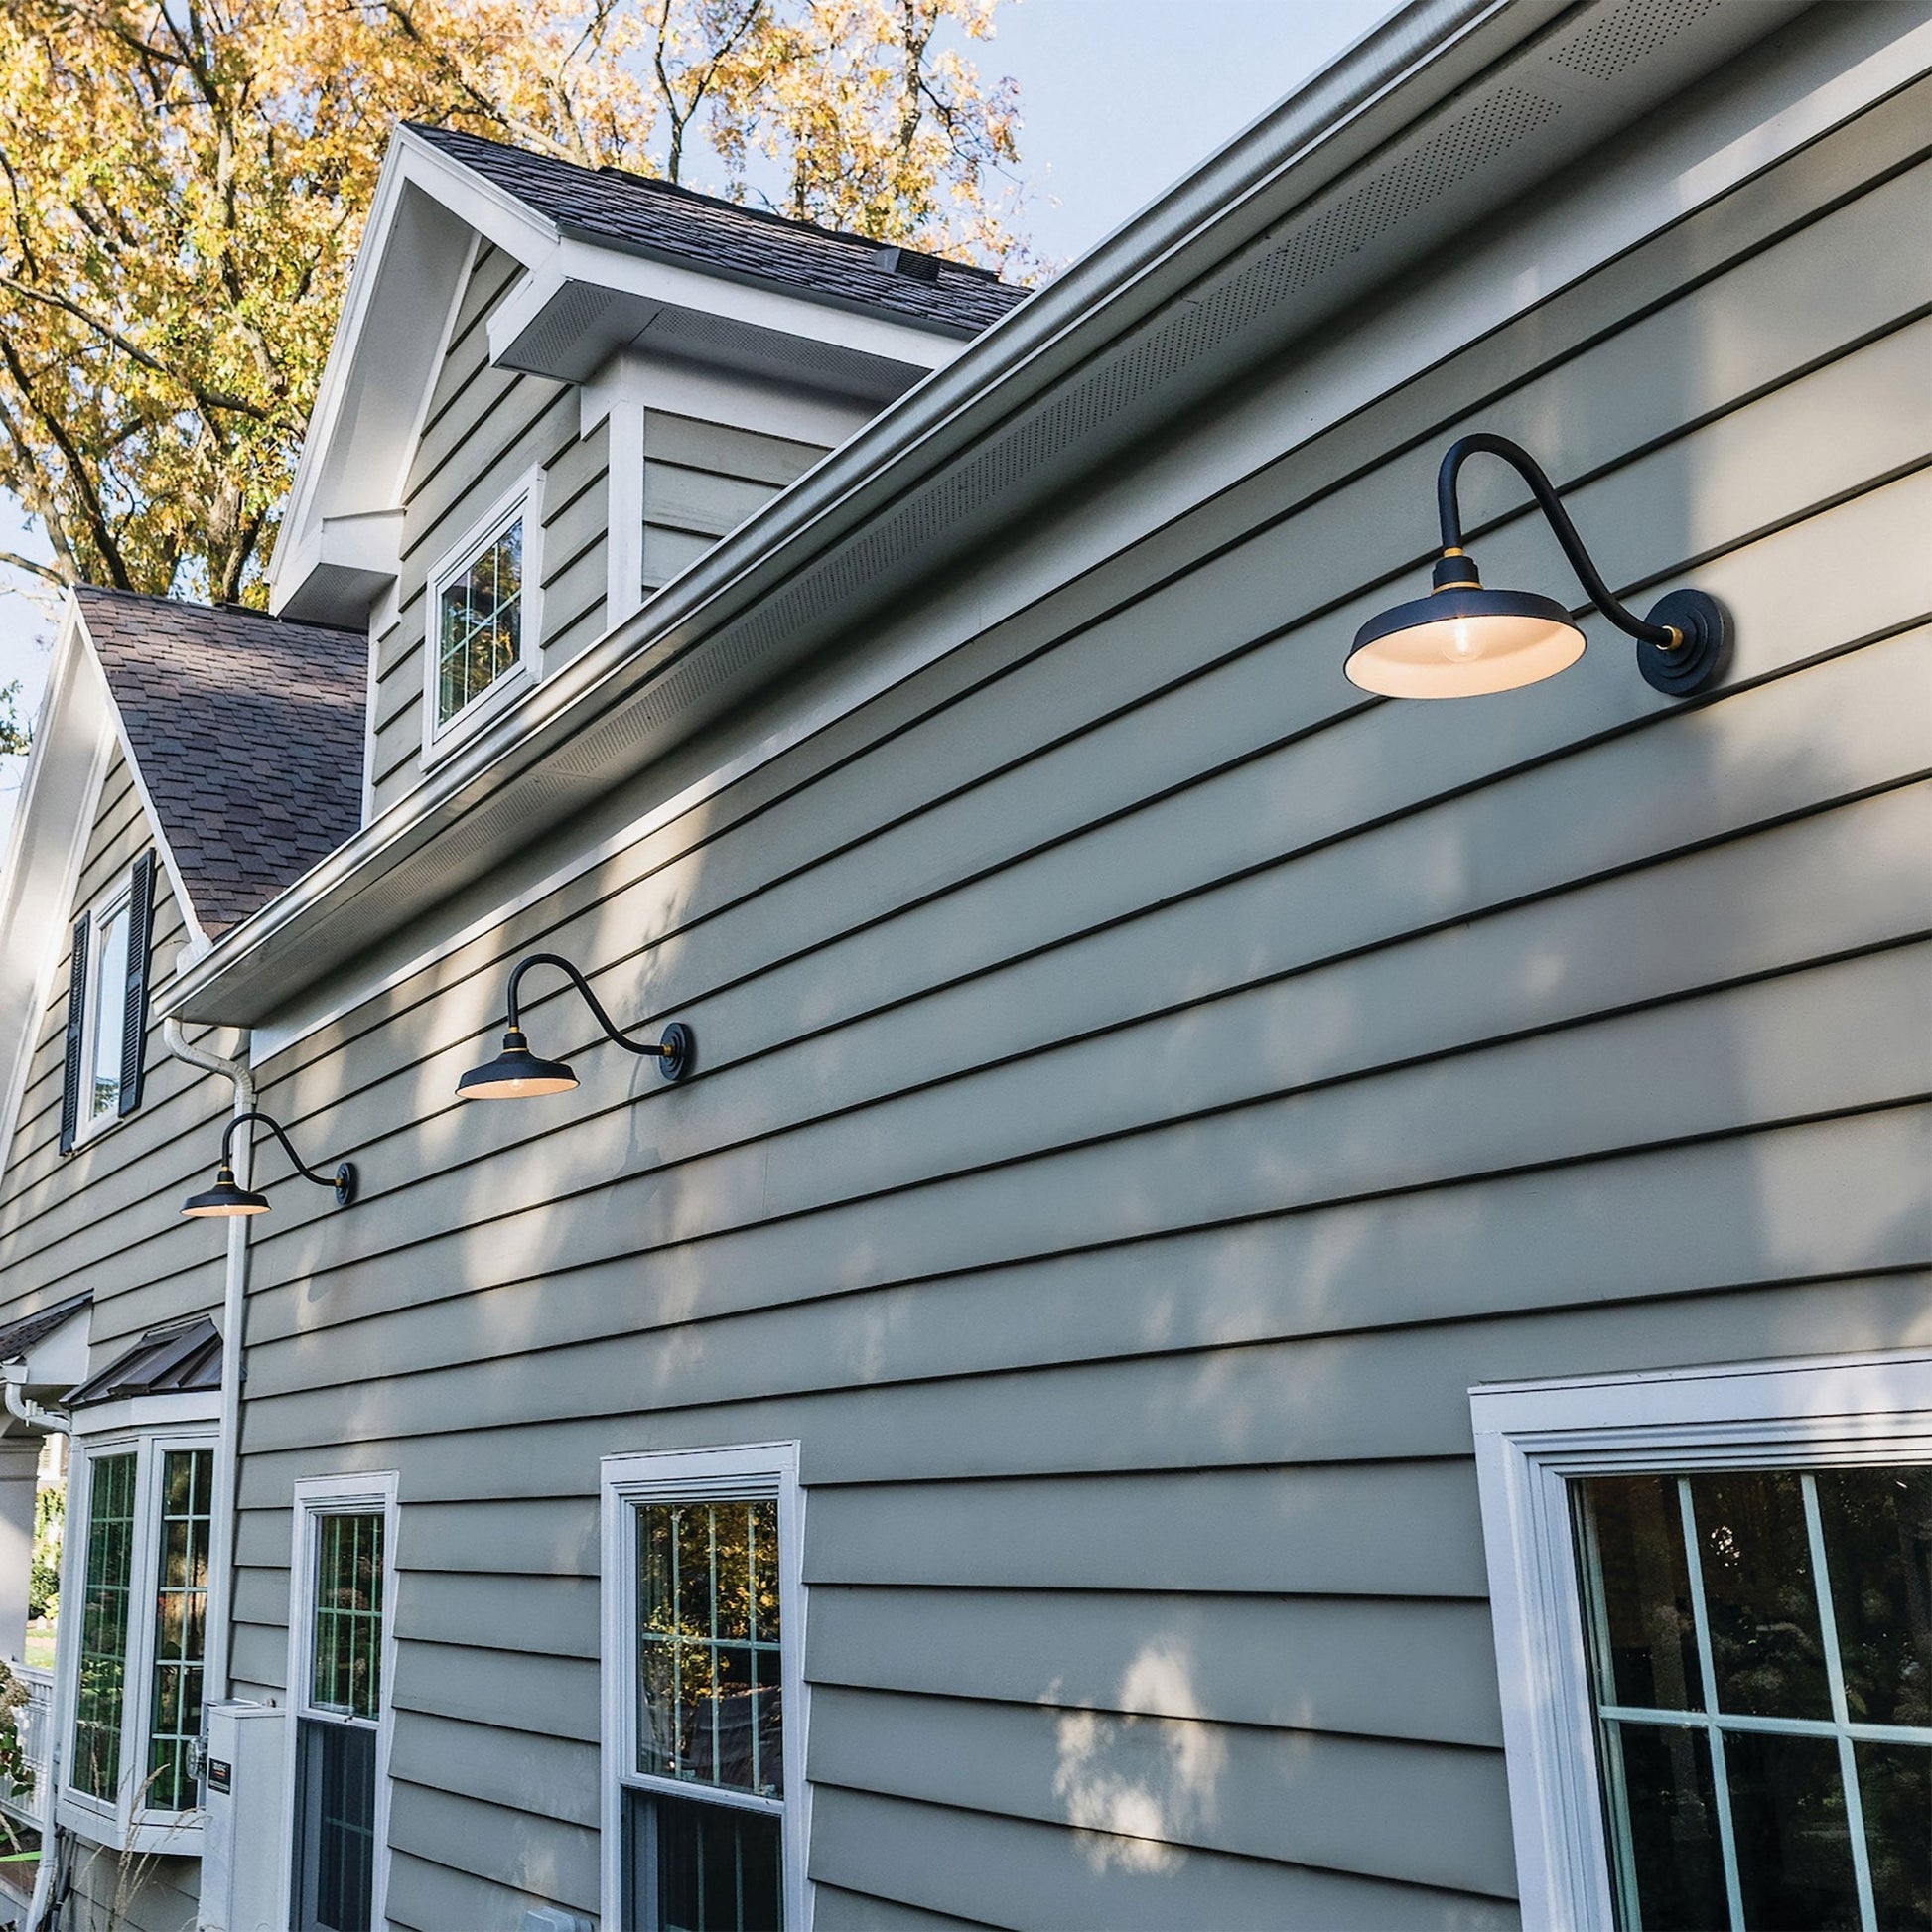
(33, 1721)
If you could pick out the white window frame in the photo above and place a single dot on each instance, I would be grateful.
(1533, 1440)
(524, 499)
(374, 1494)
(146, 1428)
(118, 898)
(748, 1471)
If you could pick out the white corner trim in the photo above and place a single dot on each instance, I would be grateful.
(1532, 1440)
(701, 1476)
(374, 1494)
(522, 500)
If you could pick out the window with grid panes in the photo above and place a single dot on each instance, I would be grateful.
(479, 623)
(709, 1718)
(137, 1692)
(337, 1725)
(101, 1696)
(1761, 1656)
(187, 1522)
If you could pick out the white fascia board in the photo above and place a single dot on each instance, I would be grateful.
(395, 313)
(72, 739)
(578, 262)
(719, 396)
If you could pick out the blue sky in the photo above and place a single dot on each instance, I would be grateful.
(1119, 100)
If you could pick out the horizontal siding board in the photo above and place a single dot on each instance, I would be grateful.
(696, 501)
(838, 1910)
(521, 1771)
(1371, 1666)
(1020, 1872)
(669, 553)
(747, 454)
(543, 1859)
(1168, 1783)
(426, 1897)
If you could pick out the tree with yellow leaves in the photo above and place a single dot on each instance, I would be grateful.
(183, 186)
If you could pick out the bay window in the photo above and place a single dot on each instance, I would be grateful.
(136, 1638)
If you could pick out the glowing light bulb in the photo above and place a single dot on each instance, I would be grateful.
(1465, 642)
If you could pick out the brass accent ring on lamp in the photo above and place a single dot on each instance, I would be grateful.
(227, 1198)
(516, 1074)
(1464, 642)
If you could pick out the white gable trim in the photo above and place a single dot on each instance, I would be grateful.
(73, 743)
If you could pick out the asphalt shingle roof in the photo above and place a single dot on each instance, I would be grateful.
(676, 224)
(19, 1337)
(247, 733)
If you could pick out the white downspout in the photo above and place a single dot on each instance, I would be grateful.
(233, 1316)
(20, 1404)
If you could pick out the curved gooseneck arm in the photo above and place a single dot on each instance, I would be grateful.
(1525, 466)
(275, 1127)
(577, 979)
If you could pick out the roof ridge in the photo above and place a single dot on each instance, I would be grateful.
(224, 608)
(676, 190)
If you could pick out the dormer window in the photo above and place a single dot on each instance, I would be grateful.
(483, 619)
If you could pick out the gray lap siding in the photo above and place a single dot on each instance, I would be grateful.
(1145, 1083)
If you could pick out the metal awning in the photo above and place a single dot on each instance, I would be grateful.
(178, 1361)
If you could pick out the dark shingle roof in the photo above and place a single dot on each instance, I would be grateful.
(247, 733)
(165, 1361)
(19, 1337)
(653, 217)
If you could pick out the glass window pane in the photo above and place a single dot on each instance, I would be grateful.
(1658, 1779)
(701, 1868)
(708, 1644)
(110, 1012)
(1794, 1854)
(1633, 1528)
(479, 624)
(346, 1674)
(1759, 1594)
(1878, 1550)
(181, 1625)
(334, 1823)
(1896, 1789)
(104, 1627)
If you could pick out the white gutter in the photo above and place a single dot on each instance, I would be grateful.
(235, 1306)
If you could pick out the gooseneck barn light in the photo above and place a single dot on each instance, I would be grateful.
(1464, 642)
(226, 1197)
(516, 1074)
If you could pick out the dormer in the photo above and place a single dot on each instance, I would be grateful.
(553, 388)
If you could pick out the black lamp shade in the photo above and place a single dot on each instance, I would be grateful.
(515, 1074)
(224, 1199)
(1464, 642)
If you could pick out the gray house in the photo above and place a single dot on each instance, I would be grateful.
(1110, 1275)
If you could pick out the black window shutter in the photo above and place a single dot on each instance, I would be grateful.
(77, 1034)
(140, 945)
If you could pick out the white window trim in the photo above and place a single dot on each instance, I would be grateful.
(1532, 1440)
(188, 1422)
(317, 1496)
(700, 1475)
(523, 500)
(117, 898)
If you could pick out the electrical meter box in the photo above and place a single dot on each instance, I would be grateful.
(244, 1772)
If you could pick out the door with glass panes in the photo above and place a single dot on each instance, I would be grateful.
(338, 1711)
